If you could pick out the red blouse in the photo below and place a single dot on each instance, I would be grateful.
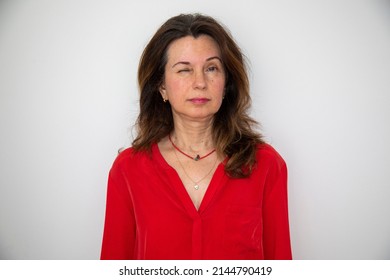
(149, 214)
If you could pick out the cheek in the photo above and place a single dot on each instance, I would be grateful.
(219, 87)
(175, 92)
(217, 81)
(174, 85)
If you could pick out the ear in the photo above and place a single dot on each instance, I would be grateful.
(163, 91)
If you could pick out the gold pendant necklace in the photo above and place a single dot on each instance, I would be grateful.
(196, 183)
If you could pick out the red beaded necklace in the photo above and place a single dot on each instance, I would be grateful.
(194, 158)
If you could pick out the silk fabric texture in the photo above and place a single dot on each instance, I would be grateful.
(149, 214)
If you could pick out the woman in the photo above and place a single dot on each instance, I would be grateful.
(198, 181)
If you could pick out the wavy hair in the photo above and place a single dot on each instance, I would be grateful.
(233, 129)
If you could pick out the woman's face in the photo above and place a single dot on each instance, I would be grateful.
(194, 78)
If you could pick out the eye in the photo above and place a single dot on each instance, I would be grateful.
(183, 70)
(212, 69)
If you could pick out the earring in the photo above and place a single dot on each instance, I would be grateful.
(165, 100)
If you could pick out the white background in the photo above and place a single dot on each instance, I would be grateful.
(320, 76)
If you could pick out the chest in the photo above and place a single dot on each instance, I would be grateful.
(195, 177)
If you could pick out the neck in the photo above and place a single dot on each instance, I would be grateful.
(193, 137)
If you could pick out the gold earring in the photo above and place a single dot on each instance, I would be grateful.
(165, 100)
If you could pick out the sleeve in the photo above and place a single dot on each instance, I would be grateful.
(276, 233)
(119, 227)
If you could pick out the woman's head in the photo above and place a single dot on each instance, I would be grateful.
(194, 79)
(155, 120)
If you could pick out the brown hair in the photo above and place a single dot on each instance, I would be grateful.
(233, 132)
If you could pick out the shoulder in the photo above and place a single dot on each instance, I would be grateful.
(124, 155)
(129, 157)
(267, 155)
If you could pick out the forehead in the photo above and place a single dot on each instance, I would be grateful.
(190, 48)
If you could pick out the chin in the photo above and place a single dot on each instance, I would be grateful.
(202, 117)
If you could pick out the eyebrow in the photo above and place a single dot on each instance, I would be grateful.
(188, 63)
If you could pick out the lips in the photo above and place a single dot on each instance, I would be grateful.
(199, 100)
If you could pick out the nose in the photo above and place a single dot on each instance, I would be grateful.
(199, 80)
